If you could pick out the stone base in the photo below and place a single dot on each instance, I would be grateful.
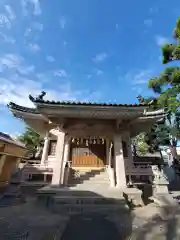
(74, 205)
(73, 200)
(133, 196)
(160, 189)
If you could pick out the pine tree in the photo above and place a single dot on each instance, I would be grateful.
(167, 89)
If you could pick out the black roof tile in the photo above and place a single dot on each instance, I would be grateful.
(14, 106)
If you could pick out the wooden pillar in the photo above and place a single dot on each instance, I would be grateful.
(2, 161)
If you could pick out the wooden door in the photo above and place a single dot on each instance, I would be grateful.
(93, 155)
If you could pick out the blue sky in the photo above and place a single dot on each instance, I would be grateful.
(102, 51)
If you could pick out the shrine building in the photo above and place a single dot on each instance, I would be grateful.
(81, 135)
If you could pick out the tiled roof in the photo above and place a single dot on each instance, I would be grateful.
(86, 103)
(6, 138)
(40, 100)
(14, 106)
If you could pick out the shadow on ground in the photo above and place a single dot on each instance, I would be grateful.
(37, 221)
(163, 225)
(91, 226)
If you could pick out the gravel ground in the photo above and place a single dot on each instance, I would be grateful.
(36, 223)
(32, 219)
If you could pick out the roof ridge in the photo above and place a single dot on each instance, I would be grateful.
(86, 103)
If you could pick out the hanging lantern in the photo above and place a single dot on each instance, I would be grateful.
(94, 141)
(77, 141)
(73, 140)
(102, 140)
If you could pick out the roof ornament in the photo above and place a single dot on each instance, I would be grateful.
(140, 99)
(39, 98)
(147, 101)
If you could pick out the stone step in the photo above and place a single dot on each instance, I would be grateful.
(72, 205)
(81, 191)
(87, 200)
(91, 178)
(97, 192)
(90, 173)
(75, 209)
(90, 182)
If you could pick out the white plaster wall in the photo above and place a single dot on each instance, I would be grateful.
(51, 160)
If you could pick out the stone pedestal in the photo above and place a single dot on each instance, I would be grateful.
(160, 181)
(160, 187)
(133, 196)
(13, 195)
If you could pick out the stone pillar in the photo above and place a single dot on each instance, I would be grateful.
(65, 158)
(44, 157)
(56, 178)
(119, 162)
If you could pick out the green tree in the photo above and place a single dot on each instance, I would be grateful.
(140, 144)
(167, 85)
(31, 138)
(167, 89)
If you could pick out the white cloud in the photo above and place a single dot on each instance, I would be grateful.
(89, 76)
(10, 12)
(98, 72)
(16, 63)
(60, 73)
(10, 61)
(34, 47)
(38, 26)
(34, 3)
(27, 32)
(62, 22)
(4, 21)
(7, 39)
(139, 77)
(12, 90)
(50, 59)
(65, 43)
(153, 9)
(160, 40)
(25, 70)
(142, 77)
(138, 90)
(148, 22)
(100, 57)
